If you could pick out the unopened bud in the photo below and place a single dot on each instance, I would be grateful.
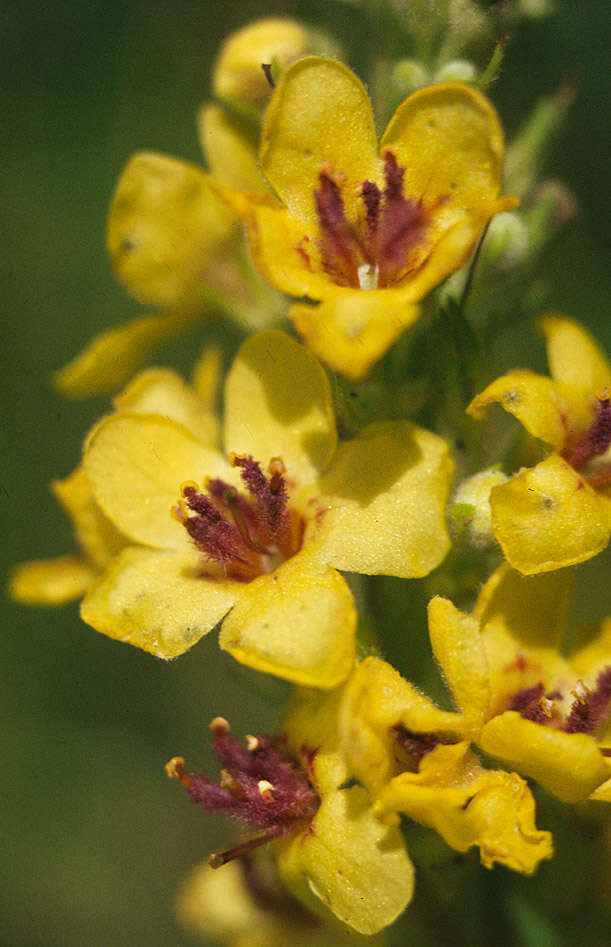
(471, 510)
(276, 42)
(457, 70)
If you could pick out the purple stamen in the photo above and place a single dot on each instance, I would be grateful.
(597, 438)
(590, 712)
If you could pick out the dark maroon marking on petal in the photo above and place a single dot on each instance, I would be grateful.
(527, 703)
(415, 744)
(372, 197)
(339, 247)
(401, 225)
(303, 253)
(590, 712)
(597, 439)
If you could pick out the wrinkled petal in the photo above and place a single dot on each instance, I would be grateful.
(164, 392)
(278, 403)
(135, 465)
(351, 331)
(456, 643)
(573, 355)
(383, 500)
(111, 359)
(164, 226)
(230, 146)
(449, 139)
(157, 601)
(351, 862)
(548, 517)
(51, 581)
(297, 623)
(376, 699)
(96, 535)
(569, 765)
(468, 805)
(320, 112)
(538, 402)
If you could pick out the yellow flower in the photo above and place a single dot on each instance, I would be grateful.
(557, 513)
(62, 579)
(375, 504)
(546, 715)
(414, 759)
(168, 236)
(173, 243)
(367, 236)
(331, 851)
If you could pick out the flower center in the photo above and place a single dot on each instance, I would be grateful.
(260, 786)
(383, 244)
(416, 745)
(594, 444)
(247, 536)
(588, 711)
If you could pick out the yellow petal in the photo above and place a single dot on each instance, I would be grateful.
(538, 402)
(310, 727)
(351, 862)
(375, 700)
(278, 404)
(451, 247)
(573, 355)
(162, 391)
(593, 657)
(603, 792)
(383, 499)
(456, 643)
(350, 331)
(114, 356)
(230, 148)
(96, 535)
(206, 375)
(523, 622)
(569, 765)
(548, 517)
(224, 905)
(164, 226)
(297, 623)
(285, 250)
(532, 608)
(135, 464)
(157, 601)
(320, 112)
(468, 805)
(237, 73)
(450, 141)
(50, 581)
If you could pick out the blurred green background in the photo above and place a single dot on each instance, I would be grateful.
(95, 837)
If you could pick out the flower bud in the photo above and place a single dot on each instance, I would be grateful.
(471, 509)
(457, 70)
(238, 74)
